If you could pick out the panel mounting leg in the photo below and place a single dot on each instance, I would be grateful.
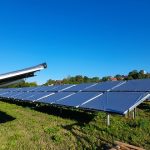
(108, 119)
(134, 113)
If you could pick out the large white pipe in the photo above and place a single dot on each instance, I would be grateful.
(21, 74)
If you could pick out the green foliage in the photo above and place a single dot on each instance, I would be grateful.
(73, 80)
(51, 130)
(107, 78)
(23, 84)
(138, 75)
(119, 77)
(57, 138)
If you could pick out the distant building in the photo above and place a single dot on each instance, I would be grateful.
(113, 79)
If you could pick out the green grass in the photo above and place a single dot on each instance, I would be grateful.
(62, 128)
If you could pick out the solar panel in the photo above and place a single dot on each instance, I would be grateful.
(2, 93)
(117, 102)
(62, 87)
(135, 85)
(36, 96)
(9, 89)
(8, 94)
(12, 94)
(80, 87)
(2, 90)
(26, 89)
(44, 88)
(15, 89)
(6, 89)
(54, 88)
(58, 96)
(111, 96)
(78, 99)
(104, 86)
(22, 94)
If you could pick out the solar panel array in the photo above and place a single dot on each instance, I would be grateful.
(111, 96)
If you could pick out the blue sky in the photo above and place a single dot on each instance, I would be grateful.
(92, 38)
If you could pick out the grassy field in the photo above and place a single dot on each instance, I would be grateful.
(28, 128)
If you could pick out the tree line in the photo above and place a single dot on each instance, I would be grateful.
(84, 79)
(23, 84)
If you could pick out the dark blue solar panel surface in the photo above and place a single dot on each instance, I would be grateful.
(15, 89)
(36, 95)
(22, 94)
(80, 87)
(78, 98)
(8, 94)
(62, 87)
(111, 96)
(2, 93)
(45, 88)
(104, 86)
(51, 99)
(6, 89)
(26, 89)
(117, 102)
(135, 85)
(54, 88)
(13, 94)
(9, 89)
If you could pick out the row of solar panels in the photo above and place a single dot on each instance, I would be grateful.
(79, 96)
(110, 101)
(115, 86)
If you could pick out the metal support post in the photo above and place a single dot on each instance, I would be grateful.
(134, 113)
(108, 119)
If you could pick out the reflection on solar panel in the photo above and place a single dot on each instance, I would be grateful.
(36, 96)
(116, 102)
(8, 94)
(44, 88)
(135, 85)
(112, 96)
(26, 89)
(80, 87)
(105, 86)
(62, 88)
(2, 93)
(54, 88)
(79, 98)
(56, 97)
(21, 95)
(12, 94)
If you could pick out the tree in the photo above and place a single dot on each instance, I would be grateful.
(107, 78)
(23, 84)
(79, 79)
(50, 82)
(119, 77)
(95, 79)
(86, 79)
(133, 75)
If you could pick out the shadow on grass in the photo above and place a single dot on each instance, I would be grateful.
(63, 112)
(67, 113)
(145, 106)
(5, 117)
